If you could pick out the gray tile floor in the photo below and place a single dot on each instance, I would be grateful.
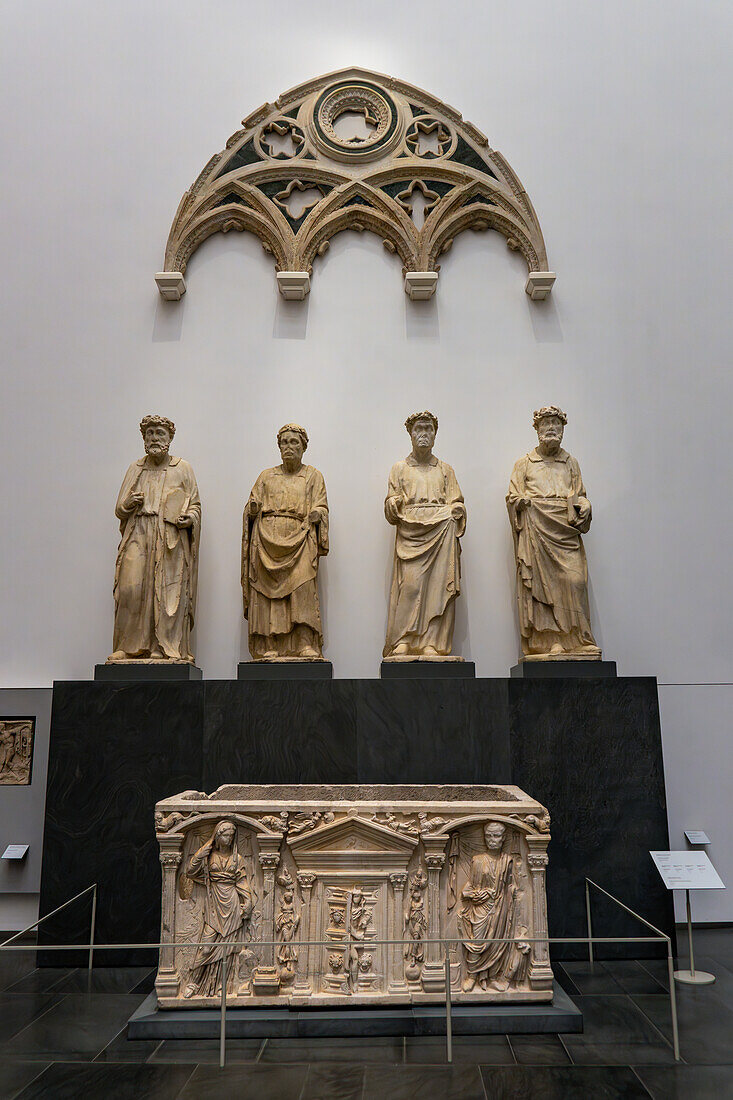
(59, 1040)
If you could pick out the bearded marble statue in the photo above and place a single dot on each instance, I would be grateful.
(157, 561)
(425, 505)
(549, 511)
(284, 533)
(490, 912)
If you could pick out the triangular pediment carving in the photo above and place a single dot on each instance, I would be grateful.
(355, 134)
(354, 834)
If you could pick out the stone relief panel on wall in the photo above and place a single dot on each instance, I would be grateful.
(356, 150)
(306, 911)
(16, 750)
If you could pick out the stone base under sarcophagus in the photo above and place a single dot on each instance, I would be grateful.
(326, 873)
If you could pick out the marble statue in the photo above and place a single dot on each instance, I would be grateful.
(284, 533)
(220, 869)
(490, 910)
(16, 750)
(308, 909)
(425, 505)
(157, 561)
(549, 511)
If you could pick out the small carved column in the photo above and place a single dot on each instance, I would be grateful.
(433, 971)
(265, 978)
(397, 983)
(540, 971)
(168, 979)
(306, 881)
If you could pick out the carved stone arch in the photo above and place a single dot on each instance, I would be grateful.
(357, 206)
(406, 141)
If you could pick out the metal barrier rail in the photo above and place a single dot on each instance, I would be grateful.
(86, 890)
(660, 935)
(8, 945)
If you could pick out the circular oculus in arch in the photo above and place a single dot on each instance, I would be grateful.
(362, 97)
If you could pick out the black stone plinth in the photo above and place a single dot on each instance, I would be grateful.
(559, 670)
(427, 670)
(146, 673)
(285, 670)
(151, 1022)
(588, 749)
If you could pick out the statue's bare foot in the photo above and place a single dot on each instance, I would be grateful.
(268, 655)
(309, 653)
(500, 985)
(469, 983)
(430, 651)
(556, 650)
(157, 654)
(401, 650)
(118, 655)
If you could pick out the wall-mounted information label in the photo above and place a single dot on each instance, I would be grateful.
(15, 851)
(697, 836)
(687, 871)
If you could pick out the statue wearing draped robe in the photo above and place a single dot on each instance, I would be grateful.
(490, 911)
(548, 511)
(425, 505)
(157, 561)
(284, 533)
(220, 869)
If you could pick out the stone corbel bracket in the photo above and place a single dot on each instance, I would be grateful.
(295, 176)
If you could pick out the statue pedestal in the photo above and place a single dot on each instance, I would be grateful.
(146, 671)
(427, 668)
(290, 669)
(555, 669)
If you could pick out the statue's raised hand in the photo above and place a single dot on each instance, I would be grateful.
(134, 501)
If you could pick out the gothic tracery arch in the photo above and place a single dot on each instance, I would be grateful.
(294, 176)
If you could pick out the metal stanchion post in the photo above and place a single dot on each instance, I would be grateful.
(590, 927)
(673, 1002)
(223, 1032)
(91, 928)
(448, 1019)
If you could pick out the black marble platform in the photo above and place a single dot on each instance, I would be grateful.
(557, 670)
(285, 670)
(145, 673)
(427, 670)
(561, 1017)
(590, 750)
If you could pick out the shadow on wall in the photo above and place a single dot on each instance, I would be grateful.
(545, 321)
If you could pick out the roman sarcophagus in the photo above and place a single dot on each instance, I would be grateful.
(291, 891)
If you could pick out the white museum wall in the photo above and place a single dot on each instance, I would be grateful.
(616, 119)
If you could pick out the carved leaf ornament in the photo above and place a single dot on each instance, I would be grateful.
(359, 146)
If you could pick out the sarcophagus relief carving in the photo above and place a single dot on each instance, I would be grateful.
(294, 889)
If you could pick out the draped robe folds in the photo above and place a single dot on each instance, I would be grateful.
(426, 577)
(280, 551)
(552, 573)
(157, 562)
(227, 905)
(490, 910)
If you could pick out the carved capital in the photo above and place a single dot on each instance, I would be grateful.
(306, 880)
(434, 860)
(269, 860)
(170, 859)
(398, 879)
(537, 860)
